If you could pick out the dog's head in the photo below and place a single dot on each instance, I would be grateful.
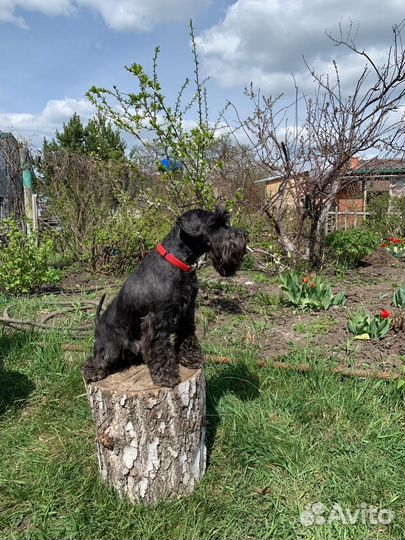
(210, 232)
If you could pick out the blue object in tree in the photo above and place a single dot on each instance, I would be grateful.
(171, 164)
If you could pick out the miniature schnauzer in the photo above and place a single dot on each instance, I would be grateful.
(158, 300)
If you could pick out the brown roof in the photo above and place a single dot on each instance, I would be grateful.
(377, 165)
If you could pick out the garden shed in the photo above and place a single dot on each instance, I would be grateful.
(364, 180)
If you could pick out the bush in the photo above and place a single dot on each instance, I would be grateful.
(125, 237)
(386, 215)
(23, 265)
(262, 239)
(82, 193)
(350, 247)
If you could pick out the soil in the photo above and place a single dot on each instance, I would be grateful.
(239, 318)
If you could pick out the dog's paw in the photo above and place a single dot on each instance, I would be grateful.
(166, 380)
(192, 361)
(189, 354)
(92, 374)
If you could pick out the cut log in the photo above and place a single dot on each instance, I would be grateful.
(150, 440)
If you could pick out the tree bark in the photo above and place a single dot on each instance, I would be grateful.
(150, 440)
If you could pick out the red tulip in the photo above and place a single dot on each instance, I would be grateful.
(384, 245)
(312, 274)
(306, 280)
(385, 314)
(312, 284)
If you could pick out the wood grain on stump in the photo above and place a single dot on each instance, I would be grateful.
(150, 440)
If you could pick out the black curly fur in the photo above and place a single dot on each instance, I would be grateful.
(158, 300)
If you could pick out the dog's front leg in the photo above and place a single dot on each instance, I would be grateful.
(158, 352)
(187, 346)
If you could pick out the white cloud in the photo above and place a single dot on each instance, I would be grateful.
(34, 127)
(51, 8)
(117, 14)
(143, 14)
(264, 40)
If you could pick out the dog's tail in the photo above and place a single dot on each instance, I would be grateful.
(100, 305)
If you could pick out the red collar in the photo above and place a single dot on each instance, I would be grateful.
(174, 260)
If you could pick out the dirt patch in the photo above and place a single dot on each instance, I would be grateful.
(242, 313)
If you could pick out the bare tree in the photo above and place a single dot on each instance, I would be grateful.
(311, 153)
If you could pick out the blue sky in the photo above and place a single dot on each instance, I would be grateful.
(52, 51)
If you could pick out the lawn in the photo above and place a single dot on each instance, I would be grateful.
(278, 441)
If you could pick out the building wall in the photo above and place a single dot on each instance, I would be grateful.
(273, 187)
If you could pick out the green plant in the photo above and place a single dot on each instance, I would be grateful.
(322, 325)
(309, 293)
(349, 247)
(124, 238)
(395, 247)
(189, 169)
(23, 261)
(262, 238)
(401, 380)
(365, 326)
(398, 298)
(386, 215)
(249, 262)
(83, 192)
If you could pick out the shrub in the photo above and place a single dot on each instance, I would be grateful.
(262, 239)
(309, 292)
(350, 247)
(82, 193)
(124, 238)
(386, 216)
(365, 326)
(23, 265)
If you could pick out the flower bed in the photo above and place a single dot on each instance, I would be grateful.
(396, 247)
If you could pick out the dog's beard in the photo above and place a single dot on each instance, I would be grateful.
(228, 247)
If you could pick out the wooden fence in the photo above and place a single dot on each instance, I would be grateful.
(344, 220)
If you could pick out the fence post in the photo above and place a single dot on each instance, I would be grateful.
(27, 182)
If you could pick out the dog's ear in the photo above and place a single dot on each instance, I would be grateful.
(220, 217)
(190, 223)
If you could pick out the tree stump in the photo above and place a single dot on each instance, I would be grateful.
(150, 440)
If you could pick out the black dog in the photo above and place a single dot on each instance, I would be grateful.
(158, 300)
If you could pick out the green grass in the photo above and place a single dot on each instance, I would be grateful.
(321, 325)
(278, 441)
